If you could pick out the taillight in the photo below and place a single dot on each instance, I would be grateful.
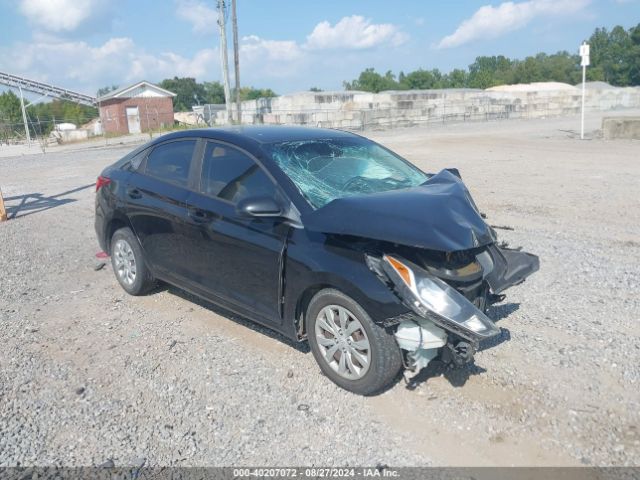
(102, 182)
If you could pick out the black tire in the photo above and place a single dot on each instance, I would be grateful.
(385, 355)
(143, 281)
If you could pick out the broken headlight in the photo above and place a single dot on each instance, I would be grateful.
(431, 297)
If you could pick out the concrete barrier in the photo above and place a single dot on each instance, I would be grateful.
(361, 110)
(621, 127)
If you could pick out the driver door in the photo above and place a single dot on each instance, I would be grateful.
(238, 258)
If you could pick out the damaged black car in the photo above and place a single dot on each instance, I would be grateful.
(322, 235)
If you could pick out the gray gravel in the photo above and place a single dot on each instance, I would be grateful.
(90, 375)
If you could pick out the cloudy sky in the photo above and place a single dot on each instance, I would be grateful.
(287, 45)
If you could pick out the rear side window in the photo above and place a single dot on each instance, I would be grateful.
(136, 160)
(171, 161)
(231, 175)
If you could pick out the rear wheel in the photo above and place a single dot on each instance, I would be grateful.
(351, 350)
(128, 263)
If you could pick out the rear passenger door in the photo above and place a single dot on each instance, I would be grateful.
(156, 205)
(239, 257)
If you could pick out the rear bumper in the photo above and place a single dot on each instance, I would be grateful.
(100, 225)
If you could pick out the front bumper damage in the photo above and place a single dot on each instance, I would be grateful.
(443, 323)
(507, 267)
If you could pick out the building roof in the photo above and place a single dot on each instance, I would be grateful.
(127, 92)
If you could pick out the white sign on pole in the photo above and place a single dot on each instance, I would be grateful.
(584, 50)
(584, 53)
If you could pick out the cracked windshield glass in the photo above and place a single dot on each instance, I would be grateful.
(324, 170)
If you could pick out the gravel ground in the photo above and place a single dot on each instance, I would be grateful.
(89, 374)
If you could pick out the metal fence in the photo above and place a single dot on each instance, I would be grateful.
(44, 132)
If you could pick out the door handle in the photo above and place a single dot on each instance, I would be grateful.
(134, 193)
(198, 215)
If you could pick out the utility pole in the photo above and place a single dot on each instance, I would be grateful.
(236, 58)
(224, 60)
(24, 118)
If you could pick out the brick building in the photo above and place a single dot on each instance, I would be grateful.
(137, 108)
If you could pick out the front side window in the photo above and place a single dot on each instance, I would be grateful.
(171, 161)
(324, 170)
(231, 175)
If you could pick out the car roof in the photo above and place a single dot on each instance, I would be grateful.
(261, 133)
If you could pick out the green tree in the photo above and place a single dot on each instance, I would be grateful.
(371, 81)
(10, 111)
(104, 90)
(559, 67)
(421, 80)
(615, 56)
(250, 93)
(45, 115)
(42, 117)
(488, 72)
(619, 49)
(214, 92)
(599, 45)
(188, 92)
(634, 55)
(457, 78)
(526, 71)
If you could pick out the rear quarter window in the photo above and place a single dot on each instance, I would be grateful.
(136, 160)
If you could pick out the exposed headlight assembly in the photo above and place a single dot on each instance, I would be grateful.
(431, 297)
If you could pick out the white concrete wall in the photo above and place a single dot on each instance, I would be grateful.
(358, 110)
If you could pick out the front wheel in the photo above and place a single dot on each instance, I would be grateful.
(350, 348)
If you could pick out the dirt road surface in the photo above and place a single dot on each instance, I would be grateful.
(89, 374)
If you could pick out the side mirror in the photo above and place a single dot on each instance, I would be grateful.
(259, 207)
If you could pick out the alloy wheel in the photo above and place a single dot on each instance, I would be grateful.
(125, 261)
(343, 342)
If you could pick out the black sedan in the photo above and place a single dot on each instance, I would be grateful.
(322, 235)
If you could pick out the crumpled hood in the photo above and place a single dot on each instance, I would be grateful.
(437, 215)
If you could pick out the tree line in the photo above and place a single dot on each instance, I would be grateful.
(41, 116)
(615, 59)
(189, 92)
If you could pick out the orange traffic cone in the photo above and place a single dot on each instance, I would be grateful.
(3, 212)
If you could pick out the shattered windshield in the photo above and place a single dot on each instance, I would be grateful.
(324, 170)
